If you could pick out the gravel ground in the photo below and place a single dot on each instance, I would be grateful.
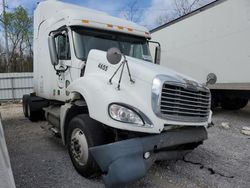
(40, 160)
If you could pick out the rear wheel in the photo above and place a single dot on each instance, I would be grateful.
(25, 105)
(214, 103)
(233, 103)
(34, 106)
(82, 134)
(31, 114)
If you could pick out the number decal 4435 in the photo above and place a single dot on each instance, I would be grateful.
(103, 67)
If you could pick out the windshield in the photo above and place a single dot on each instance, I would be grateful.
(88, 39)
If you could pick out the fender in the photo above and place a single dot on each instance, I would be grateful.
(84, 86)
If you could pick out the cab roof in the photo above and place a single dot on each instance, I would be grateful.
(55, 11)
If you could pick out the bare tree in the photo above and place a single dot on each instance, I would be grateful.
(164, 18)
(183, 7)
(131, 11)
(19, 29)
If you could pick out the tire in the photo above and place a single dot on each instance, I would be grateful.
(83, 133)
(35, 107)
(25, 105)
(233, 104)
(31, 114)
(214, 103)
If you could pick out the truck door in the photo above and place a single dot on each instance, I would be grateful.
(64, 56)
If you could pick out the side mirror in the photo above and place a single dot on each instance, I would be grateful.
(211, 79)
(114, 56)
(157, 55)
(53, 51)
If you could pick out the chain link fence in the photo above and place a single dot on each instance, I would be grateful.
(14, 85)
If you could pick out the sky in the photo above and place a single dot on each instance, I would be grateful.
(149, 10)
(112, 7)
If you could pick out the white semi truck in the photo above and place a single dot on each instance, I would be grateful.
(116, 109)
(212, 42)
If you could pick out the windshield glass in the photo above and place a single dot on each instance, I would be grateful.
(88, 39)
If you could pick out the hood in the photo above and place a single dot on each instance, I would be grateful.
(147, 71)
(140, 69)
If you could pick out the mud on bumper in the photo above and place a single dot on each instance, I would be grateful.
(124, 162)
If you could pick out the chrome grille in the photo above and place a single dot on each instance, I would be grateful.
(185, 103)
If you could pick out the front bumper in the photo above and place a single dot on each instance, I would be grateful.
(123, 162)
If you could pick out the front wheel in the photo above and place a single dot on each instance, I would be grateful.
(82, 134)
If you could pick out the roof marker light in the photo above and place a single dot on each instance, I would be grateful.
(130, 29)
(110, 25)
(120, 27)
(85, 21)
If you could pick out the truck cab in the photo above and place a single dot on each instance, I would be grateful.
(116, 110)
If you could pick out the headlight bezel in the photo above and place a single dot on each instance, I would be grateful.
(146, 123)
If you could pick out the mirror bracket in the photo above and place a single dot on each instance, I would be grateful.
(157, 52)
(114, 56)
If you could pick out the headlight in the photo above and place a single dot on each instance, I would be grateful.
(124, 114)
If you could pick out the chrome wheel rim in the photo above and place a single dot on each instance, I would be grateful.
(79, 146)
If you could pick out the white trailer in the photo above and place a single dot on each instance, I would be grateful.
(115, 110)
(212, 41)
